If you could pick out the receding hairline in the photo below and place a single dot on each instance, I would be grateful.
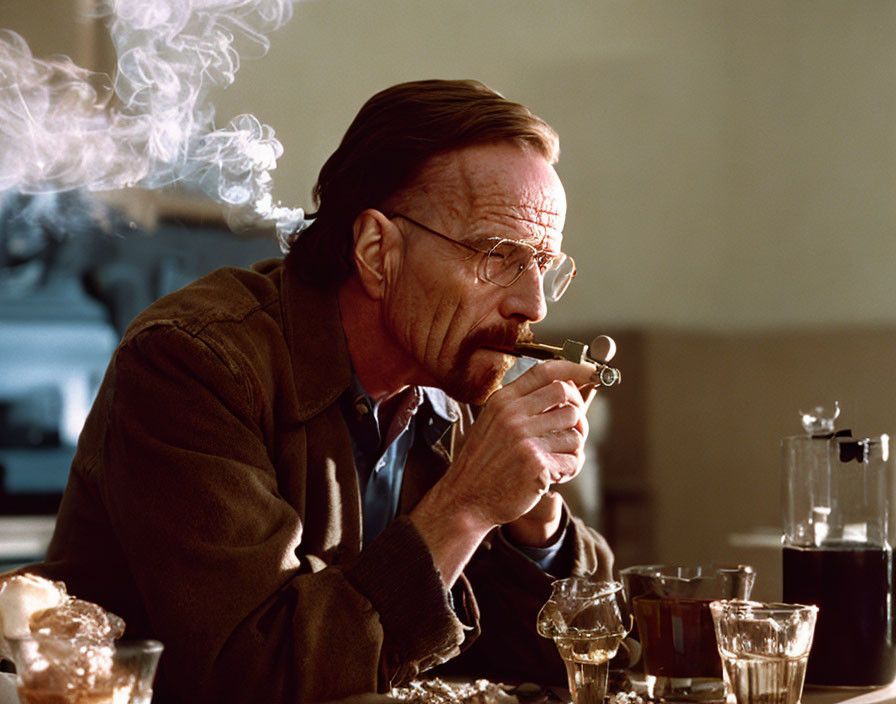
(395, 134)
(448, 182)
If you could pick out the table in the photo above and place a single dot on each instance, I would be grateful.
(849, 695)
(811, 694)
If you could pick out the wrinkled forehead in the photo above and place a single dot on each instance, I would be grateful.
(501, 190)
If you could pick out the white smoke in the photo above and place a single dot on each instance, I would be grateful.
(63, 127)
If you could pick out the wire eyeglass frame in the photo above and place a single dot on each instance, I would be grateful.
(507, 260)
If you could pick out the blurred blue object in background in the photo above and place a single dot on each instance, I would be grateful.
(72, 277)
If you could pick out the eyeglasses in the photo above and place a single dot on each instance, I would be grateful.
(507, 260)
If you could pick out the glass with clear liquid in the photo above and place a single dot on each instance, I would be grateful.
(764, 648)
(587, 659)
(763, 679)
(584, 619)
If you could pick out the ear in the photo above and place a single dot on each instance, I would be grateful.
(373, 237)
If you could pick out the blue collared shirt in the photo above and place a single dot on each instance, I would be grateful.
(380, 454)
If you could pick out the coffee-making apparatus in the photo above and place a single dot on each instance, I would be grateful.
(836, 549)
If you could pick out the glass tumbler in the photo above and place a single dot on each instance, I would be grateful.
(764, 649)
(65, 671)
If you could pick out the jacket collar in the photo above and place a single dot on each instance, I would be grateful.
(312, 324)
(321, 365)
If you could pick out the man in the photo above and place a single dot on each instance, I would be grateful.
(281, 478)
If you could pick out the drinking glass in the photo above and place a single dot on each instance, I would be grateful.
(764, 649)
(670, 603)
(65, 671)
(584, 619)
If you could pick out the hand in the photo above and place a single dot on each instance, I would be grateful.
(530, 435)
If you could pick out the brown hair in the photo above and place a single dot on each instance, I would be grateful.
(390, 140)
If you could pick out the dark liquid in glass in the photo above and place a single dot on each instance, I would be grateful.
(677, 637)
(851, 584)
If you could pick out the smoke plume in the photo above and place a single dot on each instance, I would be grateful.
(63, 127)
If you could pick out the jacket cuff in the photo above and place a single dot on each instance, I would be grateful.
(397, 574)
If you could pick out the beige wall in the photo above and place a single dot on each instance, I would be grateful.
(64, 27)
(729, 163)
(717, 409)
(730, 166)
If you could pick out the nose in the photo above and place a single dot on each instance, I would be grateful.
(525, 297)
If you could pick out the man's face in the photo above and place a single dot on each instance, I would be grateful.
(437, 305)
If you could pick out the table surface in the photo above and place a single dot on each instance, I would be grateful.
(824, 695)
(811, 695)
(849, 695)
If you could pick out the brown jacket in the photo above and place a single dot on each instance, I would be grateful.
(213, 503)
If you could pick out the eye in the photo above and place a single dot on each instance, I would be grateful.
(504, 253)
(544, 260)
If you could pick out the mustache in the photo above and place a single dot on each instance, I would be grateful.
(499, 337)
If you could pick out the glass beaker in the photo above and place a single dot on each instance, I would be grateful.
(836, 549)
(670, 603)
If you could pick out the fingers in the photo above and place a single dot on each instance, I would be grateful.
(530, 435)
(541, 398)
(546, 372)
(563, 467)
(553, 412)
(564, 418)
(569, 440)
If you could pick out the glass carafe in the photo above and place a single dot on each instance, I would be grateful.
(836, 549)
(584, 619)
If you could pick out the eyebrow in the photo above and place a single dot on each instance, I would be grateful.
(535, 241)
(471, 243)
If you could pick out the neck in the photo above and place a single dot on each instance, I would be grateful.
(383, 367)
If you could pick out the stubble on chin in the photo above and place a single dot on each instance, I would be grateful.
(462, 384)
(476, 391)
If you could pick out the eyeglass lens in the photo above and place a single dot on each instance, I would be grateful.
(558, 278)
(507, 261)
